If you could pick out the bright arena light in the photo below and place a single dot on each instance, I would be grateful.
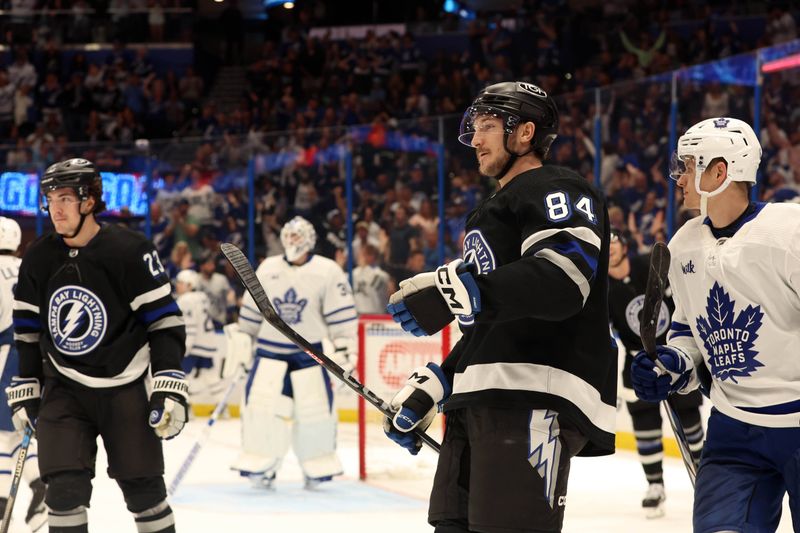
(288, 5)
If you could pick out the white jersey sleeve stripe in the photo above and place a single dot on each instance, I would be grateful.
(585, 234)
(167, 322)
(334, 322)
(19, 305)
(151, 296)
(569, 269)
(26, 337)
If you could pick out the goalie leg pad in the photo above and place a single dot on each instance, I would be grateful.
(265, 418)
(315, 423)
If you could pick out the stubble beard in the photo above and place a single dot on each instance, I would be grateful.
(491, 167)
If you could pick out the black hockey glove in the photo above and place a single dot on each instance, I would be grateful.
(169, 403)
(24, 396)
(416, 405)
(427, 302)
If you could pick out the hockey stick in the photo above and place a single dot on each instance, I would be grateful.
(248, 277)
(17, 479)
(201, 440)
(654, 294)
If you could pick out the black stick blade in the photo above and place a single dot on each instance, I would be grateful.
(654, 294)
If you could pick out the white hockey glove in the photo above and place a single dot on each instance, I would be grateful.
(24, 396)
(239, 350)
(427, 302)
(344, 354)
(169, 403)
(416, 405)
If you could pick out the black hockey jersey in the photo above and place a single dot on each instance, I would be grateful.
(626, 300)
(541, 340)
(99, 315)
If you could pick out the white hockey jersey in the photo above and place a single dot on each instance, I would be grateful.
(315, 299)
(201, 338)
(371, 289)
(9, 272)
(738, 312)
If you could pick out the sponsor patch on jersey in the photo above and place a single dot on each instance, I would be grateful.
(290, 308)
(633, 315)
(729, 340)
(77, 320)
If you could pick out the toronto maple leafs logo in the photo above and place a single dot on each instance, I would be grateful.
(721, 123)
(290, 308)
(729, 341)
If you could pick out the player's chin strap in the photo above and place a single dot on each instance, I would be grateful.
(705, 195)
(511, 160)
(80, 225)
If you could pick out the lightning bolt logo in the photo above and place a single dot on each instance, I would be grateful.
(77, 320)
(73, 320)
(545, 449)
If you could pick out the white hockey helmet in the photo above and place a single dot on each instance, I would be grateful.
(190, 278)
(729, 138)
(297, 237)
(10, 234)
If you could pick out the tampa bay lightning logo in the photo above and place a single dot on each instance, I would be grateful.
(730, 341)
(478, 252)
(77, 320)
(290, 308)
(633, 315)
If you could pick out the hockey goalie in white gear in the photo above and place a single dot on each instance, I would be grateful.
(205, 347)
(288, 396)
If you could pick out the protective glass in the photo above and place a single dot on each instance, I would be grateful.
(680, 165)
(485, 120)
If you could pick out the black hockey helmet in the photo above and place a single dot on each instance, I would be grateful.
(515, 102)
(78, 174)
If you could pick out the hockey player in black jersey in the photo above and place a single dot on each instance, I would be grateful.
(627, 284)
(532, 382)
(93, 318)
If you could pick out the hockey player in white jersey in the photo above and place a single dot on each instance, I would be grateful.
(204, 345)
(10, 438)
(735, 277)
(313, 296)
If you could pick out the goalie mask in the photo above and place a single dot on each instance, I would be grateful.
(514, 103)
(728, 138)
(298, 238)
(189, 278)
(10, 235)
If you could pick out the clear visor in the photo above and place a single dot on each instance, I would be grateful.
(680, 165)
(485, 120)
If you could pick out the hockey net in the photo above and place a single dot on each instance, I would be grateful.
(387, 355)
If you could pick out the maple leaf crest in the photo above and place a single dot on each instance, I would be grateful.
(729, 341)
(290, 308)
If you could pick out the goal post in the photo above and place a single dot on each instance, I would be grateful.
(386, 357)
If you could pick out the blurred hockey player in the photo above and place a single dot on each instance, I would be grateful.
(203, 358)
(371, 284)
(10, 438)
(93, 318)
(313, 296)
(735, 333)
(533, 380)
(627, 283)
